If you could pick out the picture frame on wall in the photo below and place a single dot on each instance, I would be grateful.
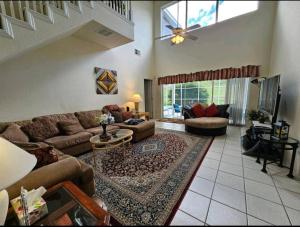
(106, 81)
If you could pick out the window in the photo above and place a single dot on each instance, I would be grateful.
(192, 92)
(230, 9)
(188, 13)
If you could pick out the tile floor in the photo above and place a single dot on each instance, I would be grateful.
(230, 189)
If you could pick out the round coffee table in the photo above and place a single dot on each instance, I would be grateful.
(122, 137)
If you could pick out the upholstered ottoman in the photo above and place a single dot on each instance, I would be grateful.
(140, 131)
(209, 126)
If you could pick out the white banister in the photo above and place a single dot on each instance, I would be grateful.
(11, 8)
(2, 7)
(20, 11)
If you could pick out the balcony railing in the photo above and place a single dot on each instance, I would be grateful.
(121, 7)
(16, 8)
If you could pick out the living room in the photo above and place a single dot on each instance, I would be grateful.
(74, 70)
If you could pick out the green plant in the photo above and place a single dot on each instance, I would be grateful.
(253, 115)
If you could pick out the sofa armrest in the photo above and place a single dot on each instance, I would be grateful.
(47, 176)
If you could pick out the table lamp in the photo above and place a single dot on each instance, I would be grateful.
(15, 163)
(136, 98)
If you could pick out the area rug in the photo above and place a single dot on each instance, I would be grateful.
(171, 120)
(144, 183)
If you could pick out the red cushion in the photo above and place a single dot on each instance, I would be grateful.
(212, 110)
(127, 115)
(198, 110)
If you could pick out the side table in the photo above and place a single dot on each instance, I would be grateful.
(277, 144)
(68, 205)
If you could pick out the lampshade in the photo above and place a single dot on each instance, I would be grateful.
(177, 39)
(136, 98)
(15, 163)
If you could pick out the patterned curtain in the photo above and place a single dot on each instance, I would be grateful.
(219, 74)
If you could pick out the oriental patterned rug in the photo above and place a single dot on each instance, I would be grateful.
(145, 183)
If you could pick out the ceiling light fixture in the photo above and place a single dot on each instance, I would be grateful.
(177, 39)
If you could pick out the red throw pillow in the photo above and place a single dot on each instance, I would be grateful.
(212, 110)
(198, 110)
(127, 115)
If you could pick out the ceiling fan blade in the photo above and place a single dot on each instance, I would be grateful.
(195, 26)
(192, 37)
(170, 27)
(164, 36)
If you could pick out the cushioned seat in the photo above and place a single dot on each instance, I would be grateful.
(140, 131)
(99, 130)
(61, 142)
(207, 122)
(207, 125)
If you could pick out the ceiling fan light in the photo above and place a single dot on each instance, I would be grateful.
(177, 39)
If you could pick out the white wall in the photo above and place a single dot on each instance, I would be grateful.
(235, 42)
(60, 78)
(285, 61)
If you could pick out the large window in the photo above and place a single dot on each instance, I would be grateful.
(189, 93)
(188, 13)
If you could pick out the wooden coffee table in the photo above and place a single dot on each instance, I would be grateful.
(68, 205)
(123, 136)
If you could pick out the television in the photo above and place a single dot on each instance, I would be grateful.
(269, 97)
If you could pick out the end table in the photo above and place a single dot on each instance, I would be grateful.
(68, 205)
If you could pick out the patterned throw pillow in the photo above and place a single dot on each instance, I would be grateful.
(118, 116)
(44, 155)
(127, 115)
(70, 127)
(14, 133)
(88, 118)
(40, 130)
(212, 111)
(198, 110)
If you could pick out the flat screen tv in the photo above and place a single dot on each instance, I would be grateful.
(269, 96)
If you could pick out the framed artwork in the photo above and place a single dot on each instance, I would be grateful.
(106, 81)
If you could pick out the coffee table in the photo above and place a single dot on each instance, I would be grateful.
(123, 136)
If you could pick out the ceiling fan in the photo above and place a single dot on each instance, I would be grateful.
(179, 34)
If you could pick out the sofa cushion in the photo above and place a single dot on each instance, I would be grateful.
(99, 130)
(88, 118)
(222, 110)
(127, 115)
(40, 130)
(70, 127)
(198, 110)
(144, 126)
(118, 116)
(61, 142)
(211, 111)
(207, 122)
(55, 118)
(4, 125)
(112, 108)
(14, 133)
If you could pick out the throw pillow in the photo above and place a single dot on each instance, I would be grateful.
(118, 116)
(212, 111)
(70, 127)
(44, 155)
(14, 133)
(41, 129)
(111, 108)
(198, 110)
(127, 115)
(88, 118)
(222, 110)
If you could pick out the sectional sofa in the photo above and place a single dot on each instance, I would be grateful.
(65, 146)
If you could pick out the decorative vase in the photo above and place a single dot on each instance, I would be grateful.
(104, 136)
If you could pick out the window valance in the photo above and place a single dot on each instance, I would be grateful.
(219, 74)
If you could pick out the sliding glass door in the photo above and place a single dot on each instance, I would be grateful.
(175, 96)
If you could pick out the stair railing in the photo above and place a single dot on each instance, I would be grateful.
(121, 7)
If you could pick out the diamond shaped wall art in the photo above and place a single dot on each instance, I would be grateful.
(106, 81)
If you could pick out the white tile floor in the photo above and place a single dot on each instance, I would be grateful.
(230, 189)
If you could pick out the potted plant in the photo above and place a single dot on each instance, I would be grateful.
(253, 115)
(104, 120)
